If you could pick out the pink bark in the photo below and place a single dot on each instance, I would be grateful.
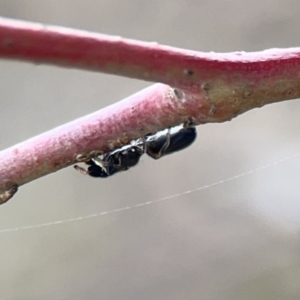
(209, 88)
(148, 111)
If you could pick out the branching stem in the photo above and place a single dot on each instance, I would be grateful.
(206, 87)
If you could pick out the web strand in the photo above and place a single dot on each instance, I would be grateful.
(103, 213)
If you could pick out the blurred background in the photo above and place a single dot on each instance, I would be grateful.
(235, 240)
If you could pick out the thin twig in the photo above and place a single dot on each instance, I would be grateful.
(208, 87)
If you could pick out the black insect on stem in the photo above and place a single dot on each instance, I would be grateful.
(155, 145)
(115, 161)
(171, 140)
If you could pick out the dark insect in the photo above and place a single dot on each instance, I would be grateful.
(112, 162)
(170, 140)
(156, 145)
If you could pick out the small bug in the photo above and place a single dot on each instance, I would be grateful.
(112, 162)
(170, 140)
(156, 145)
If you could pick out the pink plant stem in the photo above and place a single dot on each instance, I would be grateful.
(238, 71)
(148, 111)
(209, 88)
(232, 82)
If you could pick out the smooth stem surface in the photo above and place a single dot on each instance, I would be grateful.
(148, 111)
(209, 88)
(239, 72)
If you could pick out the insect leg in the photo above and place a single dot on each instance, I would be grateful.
(157, 155)
(81, 170)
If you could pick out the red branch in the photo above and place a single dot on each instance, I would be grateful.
(61, 46)
(210, 87)
(148, 111)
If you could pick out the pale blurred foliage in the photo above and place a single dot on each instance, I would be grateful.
(237, 240)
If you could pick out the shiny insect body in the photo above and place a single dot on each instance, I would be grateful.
(112, 162)
(171, 140)
(155, 145)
